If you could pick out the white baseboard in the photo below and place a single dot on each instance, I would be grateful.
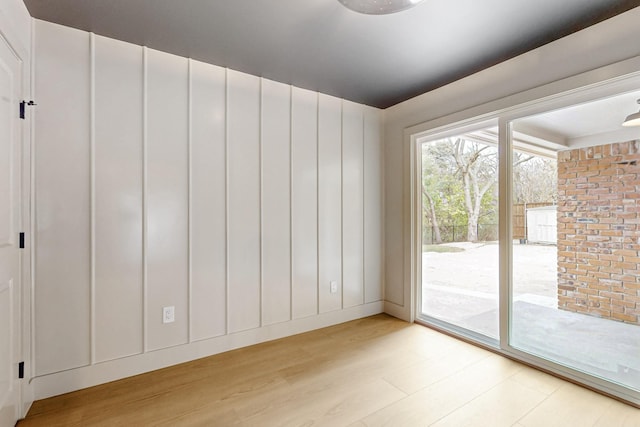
(100, 373)
(399, 311)
(27, 396)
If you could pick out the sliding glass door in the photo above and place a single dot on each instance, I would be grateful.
(575, 296)
(460, 231)
(529, 237)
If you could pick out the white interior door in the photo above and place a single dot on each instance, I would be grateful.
(10, 134)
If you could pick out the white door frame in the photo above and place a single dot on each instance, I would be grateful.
(582, 88)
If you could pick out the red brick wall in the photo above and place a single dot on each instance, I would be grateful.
(598, 231)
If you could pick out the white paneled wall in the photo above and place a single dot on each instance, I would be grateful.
(166, 200)
(62, 157)
(117, 196)
(276, 202)
(373, 205)
(329, 202)
(207, 208)
(163, 181)
(243, 197)
(304, 202)
(352, 204)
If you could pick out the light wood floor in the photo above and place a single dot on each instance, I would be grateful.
(376, 371)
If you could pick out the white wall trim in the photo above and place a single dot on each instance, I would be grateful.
(342, 204)
(190, 199)
(261, 198)
(291, 254)
(318, 207)
(29, 286)
(226, 201)
(92, 197)
(362, 178)
(88, 376)
(383, 204)
(395, 310)
(145, 195)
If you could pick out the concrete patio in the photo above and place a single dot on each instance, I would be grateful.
(462, 288)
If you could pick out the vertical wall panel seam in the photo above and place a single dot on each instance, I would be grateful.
(291, 258)
(342, 204)
(144, 196)
(92, 195)
(318, 284)
(260, 196)
(226, 196)
(381, 123)
(380, 205)
(189, 199)
(364, 210)
(32, 234)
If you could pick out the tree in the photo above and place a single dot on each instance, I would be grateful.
(477, 166)
(459, 183)
(431, 211)
(457, 174)
(534, 180)
(429, 171)
(441, 193)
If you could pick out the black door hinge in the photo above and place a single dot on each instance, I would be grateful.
(23, 105)
(21, 370)
(21, 240)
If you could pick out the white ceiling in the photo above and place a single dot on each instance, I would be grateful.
(588, 124)
(321, 45)
(593, 123)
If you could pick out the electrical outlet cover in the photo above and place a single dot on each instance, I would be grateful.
(333, 287)
(168, 314)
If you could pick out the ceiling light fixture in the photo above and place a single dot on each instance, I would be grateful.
(632, 119)
(379, 7)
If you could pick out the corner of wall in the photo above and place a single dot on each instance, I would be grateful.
(537, 73)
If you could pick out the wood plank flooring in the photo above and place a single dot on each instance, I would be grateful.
(377, 371)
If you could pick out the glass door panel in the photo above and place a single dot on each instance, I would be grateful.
(460, 231)
(575, 297)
